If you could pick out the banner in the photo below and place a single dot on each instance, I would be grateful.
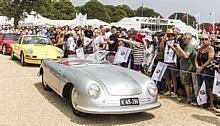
(80, 53)
(202, 96)
(216, 85)
(159, 71)
(122, 55)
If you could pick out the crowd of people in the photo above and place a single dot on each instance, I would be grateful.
(190, 60)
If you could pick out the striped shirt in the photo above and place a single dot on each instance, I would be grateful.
(138, 53)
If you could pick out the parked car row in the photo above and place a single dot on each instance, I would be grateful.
(29, 48)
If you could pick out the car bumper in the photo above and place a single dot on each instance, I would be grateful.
(34, 61)
(119, 109)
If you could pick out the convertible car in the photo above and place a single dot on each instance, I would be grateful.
(95, 86)
(34, 48)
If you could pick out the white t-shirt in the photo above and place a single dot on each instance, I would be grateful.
(96, 43)
(107, 35)
(71, 44)
(169, 54)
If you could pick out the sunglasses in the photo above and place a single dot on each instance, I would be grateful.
(204, 39)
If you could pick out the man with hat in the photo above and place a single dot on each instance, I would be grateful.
(170, 58)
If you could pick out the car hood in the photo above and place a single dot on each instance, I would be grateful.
(8, 41)
(43, 50)
(116, 81)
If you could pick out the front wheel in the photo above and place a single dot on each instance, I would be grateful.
(72, 95)
(4, 50)
(22, 59)
(12, 56)
(44, 84)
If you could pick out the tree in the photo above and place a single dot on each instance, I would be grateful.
(16, 8)
(95, 9)
(110, 9)
(118, 14)
(183, 17)
(129, 12)
(63, 9)
(147, 12)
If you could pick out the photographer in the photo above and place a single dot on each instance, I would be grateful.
(170, 58)
(187, 57)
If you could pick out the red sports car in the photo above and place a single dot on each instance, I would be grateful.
(5, 40)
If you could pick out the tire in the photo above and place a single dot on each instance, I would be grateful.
(12, 56)
(75, 112)
(45, 86)
(4, 50)
(22, 59)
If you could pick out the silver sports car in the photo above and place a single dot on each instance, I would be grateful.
(96, 86)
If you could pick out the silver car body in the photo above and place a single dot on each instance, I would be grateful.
(115, 83)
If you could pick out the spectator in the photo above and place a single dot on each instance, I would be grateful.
(187, 56)
(160, 40)
(170, 58)
(97, 41)
(70, 45)
(138, 50)
(88, 32)
(204, 57)
(113, 42)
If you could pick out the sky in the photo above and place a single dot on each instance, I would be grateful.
(209, 9)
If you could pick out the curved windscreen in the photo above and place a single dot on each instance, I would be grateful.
(36, 40)
(100, 57)
(11, 37)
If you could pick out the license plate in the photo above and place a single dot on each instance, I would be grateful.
(129, 101)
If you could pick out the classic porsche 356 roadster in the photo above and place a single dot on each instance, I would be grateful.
(95, 86)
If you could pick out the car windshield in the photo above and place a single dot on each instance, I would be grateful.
(36, 40)
(11, 37)
(100, 57)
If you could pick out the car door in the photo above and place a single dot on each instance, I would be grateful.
(54, 75)
(17, 47)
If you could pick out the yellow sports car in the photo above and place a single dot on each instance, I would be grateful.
(34, 48)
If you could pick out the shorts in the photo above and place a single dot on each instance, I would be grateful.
(171, 72)
(185, 78)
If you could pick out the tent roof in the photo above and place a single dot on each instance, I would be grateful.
(96, 22)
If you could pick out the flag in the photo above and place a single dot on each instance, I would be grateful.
(159, 71)
(216, 85)
(80, 53)
(202, 96)
(86, 41)
(122, 55)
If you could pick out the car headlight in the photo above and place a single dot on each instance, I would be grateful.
(30, 51)
(60, 52)
(152, 89)
(94, 91)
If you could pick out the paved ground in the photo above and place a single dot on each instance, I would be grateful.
(24, 102)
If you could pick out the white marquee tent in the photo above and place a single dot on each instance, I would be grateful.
(96, 22)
